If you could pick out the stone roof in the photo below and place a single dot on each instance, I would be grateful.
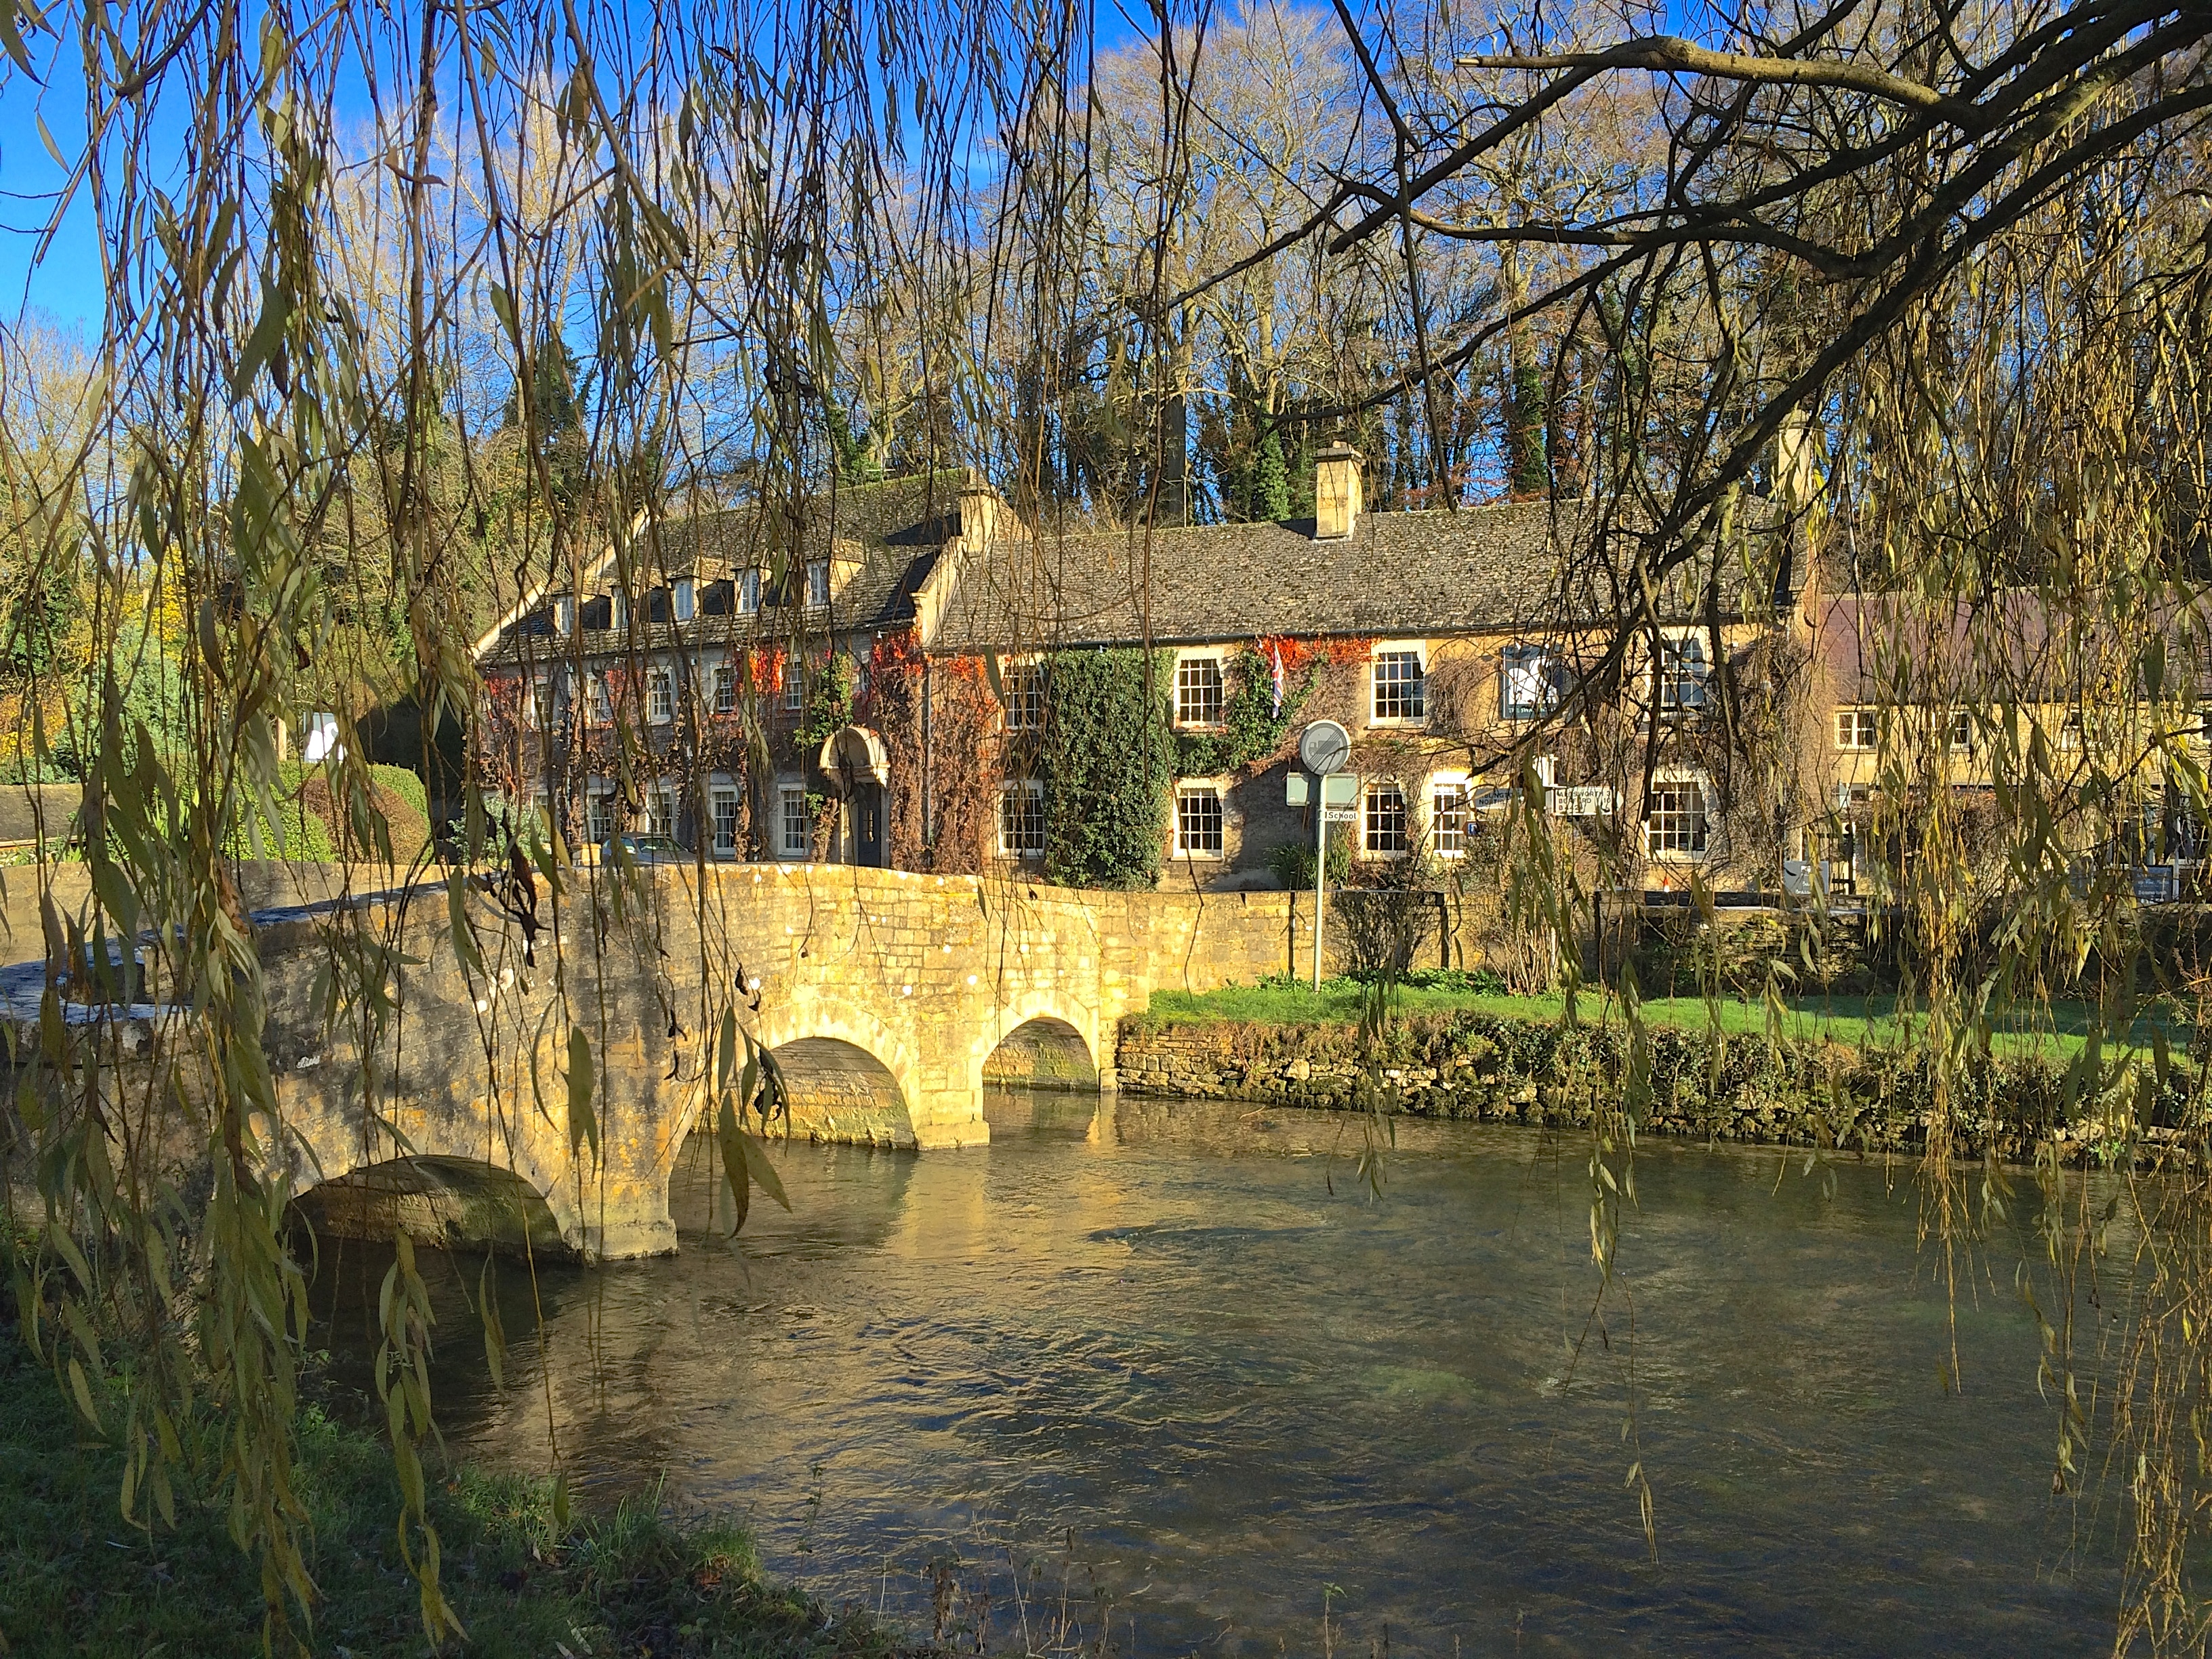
(890, 532)
(1479, 569)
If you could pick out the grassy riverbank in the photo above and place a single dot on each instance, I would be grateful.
(77, 1579)
(1875, 1022)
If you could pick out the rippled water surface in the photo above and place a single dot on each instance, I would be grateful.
(1184, 1331)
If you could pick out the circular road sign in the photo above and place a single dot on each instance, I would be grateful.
(1323, 748)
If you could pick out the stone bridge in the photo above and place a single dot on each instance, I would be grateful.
(888, 997)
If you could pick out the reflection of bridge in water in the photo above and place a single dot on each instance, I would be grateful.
(888, 997)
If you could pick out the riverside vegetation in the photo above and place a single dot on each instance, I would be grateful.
(1842, 1072)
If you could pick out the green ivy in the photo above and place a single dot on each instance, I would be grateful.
(1109, 765)
(1251, 727)
(828, 703)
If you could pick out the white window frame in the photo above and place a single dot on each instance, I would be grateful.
(746, 595)
(598, 815)
(726, 687)
(817, 584)
(1675, 778)
(786, 848)
(617, 612)
(660, 809)
(1392, 651)
(599, 698)
(1024, 688)
(564, 614)
(795, 689)
(1681, 661)
(684, 605)
(1202, 676)
(1022, 844)
(1851, 725)
(1200, 789)
(1518, 661)
(660, 696)
(1442, 785)
(721, 795)
(1956, 719)
(1372, 793)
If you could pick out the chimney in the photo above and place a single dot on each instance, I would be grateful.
(979, 514)
(1336, 492)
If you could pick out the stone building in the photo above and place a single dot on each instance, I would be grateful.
(873, 682)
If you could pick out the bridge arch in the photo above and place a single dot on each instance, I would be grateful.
(851, 1077)
(1041, 1040)
(444, 1202)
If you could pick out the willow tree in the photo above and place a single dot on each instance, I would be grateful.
(348, 256)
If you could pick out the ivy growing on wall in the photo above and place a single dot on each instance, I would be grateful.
(1108, 762)
(829, 704)
(1252, 727)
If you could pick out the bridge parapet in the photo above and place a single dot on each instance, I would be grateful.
(886, 993)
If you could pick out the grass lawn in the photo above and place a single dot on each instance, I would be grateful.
(1865, 1021)
(77, 1579)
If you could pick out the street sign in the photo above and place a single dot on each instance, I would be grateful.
(1323, 747)
(1340, 814)
(1296, 789)
(1342, 789)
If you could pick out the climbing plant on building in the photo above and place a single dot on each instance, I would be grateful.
(1109, 764)
(1253, 725)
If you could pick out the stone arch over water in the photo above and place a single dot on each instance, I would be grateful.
(1044, 1052)
(850, 1077)
(446, 1203)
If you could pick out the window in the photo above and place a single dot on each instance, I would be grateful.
(564, 614)
(1528, 683)
(617, 612)
(2069, 730)
(817, 584)
(1958, 731)
(1198, 828)
(660, 696)
(1021, 820)
(1674, 823)
(726, 690)
(1382, 817)
(794, 822)
(725, 824)
(660, 809)
(748, 592)
(687, 598)
(603, 701)
(1683, 671)
(598, 817)
(533, 701)
(1401, 688)
(795, 690)
(1025, 684)
(1855, 729)
(1198, 691)
(1447, 817)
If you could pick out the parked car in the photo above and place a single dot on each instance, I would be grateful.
(644, 849)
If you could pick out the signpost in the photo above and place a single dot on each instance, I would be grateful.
(1323, 748)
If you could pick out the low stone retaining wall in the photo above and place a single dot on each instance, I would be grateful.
(1486, 1069)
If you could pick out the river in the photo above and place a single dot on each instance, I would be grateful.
(1168, 1367)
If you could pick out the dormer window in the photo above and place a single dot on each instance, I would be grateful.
(564, 614)
(687, 598)
(617, 612)
(748, 592)
(817, 584)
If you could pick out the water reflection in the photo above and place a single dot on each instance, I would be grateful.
(1180, 1330)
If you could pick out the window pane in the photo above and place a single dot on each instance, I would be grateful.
(1385, 818)
(725, 691)
(660, 696)
(1199, 822)
(1198, 691)
(798, 823)
(1021, 820)
(748, 591)
(1401, 692)
(817, 583)
(1025, 684)
(1448, 818)
(1527, 684)
(726, 821)
(1677, 820)
(1683, 671)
